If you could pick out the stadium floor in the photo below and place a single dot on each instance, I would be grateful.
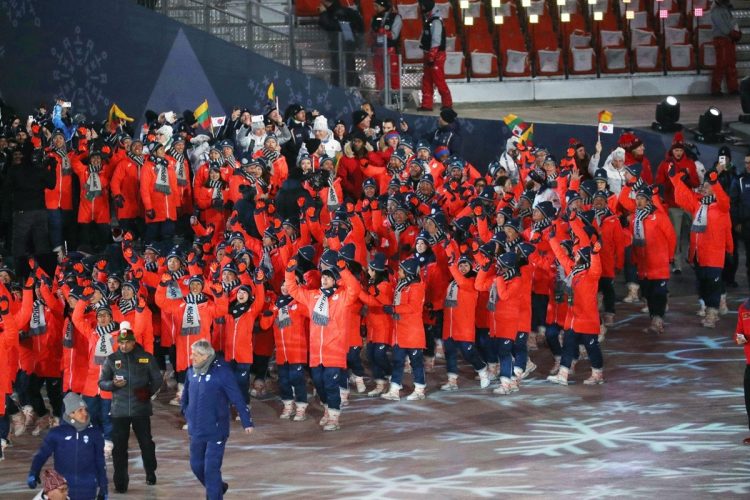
(668, 423)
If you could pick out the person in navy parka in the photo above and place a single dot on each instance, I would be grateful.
(210, 387)
(78, 448)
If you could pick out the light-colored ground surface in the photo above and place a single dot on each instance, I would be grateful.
(667, 424)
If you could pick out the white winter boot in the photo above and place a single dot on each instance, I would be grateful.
(723, 309)
(29, 417)
(494, 371)
(561, 378)
(286, 412)
(596, 378)
(300, 415)
(333, 420)
(439, 351)
(108, 446)
(393, 392)
(632, 296)
(656, 326)
(19, 423)
(504, 387)
(418, 393)
(530, 367)
(484, 378)
(429, 364)
(359, 382)
(452, 384)
(259, 388)
(344, 393)
(326, 416)
(379, 388)
(701, 309)
(177, 400)
(555, 367)
(712, 316)
(609, 319)
(41, 424)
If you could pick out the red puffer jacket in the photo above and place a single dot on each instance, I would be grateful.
(408, 330)
(291, 340)
(328, 343)
(163, 205)
(126, 183)
(708, 247)
(653, 258)
(583, 316)
(459, 313)
(379, 324)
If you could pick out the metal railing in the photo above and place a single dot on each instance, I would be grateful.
(273, 31)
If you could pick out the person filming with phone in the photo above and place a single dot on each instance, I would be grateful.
(133, 376)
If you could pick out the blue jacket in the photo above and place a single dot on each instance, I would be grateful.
(206, 399)
(57, 121)
(79, 458)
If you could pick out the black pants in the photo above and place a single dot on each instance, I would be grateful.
(710, 285)
(260, 366)
(607, 287)
(54, 393)
(30, 225)
(747, 392)
(655, 292)
(120, 436)
(539, 304)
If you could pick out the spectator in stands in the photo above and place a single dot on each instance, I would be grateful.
(433, 45)
(726, 35)
(386, 30)
(334, 18)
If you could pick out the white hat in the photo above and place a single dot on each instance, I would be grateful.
(125, 325)
(618, 154)
(167, 131)
(320, 123)
(511, 143)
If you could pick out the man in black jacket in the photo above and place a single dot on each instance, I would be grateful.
(133, 376)
(27, 178)
(332, 14)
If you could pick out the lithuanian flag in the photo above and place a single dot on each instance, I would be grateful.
(518, 127)
(114, 117)
(271, 92)
(201, 115)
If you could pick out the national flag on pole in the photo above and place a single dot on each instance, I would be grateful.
(519, 128)
(605, 122)
(218, 121)
(516, 125)
(201, 115)
(114, 117)
(271, 92)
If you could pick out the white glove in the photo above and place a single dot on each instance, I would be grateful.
(740, 339)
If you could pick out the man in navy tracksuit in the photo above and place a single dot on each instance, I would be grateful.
(210, 387)
(78, 448)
